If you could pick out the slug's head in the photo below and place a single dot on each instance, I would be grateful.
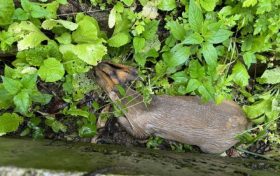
(108, 75)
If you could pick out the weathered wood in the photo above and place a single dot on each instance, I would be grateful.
(104, 159)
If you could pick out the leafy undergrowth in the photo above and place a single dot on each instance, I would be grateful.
(215, 49)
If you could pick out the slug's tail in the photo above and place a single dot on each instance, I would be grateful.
(108, 75)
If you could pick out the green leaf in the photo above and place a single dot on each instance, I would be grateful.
(248, 3)
(11, 85)
(29, 81)
(38, 97)
(193, 84)
(119, 39)
(27, 34)
(180, 77)
(20, 15)
(208, 5)
(176, 29)
(178, 55)
(87, 31)
(270, 76)
(51, 70)
(112, 18)
(220, 36)
(77, 112)
(22, 102)
(89, 53)
(249, 58)
(87, 130)
(7, 9)
(50, 24)
(9, 122)
(128, 2)
(196, 70)
(6, 99)
(195, 16)
(55, 125)
(138, 43)
(65, 38)
(167, 5)
(240, 74)
(194, 38)
(34, 9)
(210, 54)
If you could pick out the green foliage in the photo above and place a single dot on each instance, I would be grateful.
(188, 47)
(9, 122)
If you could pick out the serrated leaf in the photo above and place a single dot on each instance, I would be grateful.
(7, 9)
(9, 122)
(179, 77)
(51, 70)
(50, 24)
(196, 70)
(218, 37)
(11, 85)
(20, 15)
(89, 53)
(119, 39)
(176, 29)
(240, 74)
(22, 101)
(193, 84)
(249, 58)
(270, 76)
(87, 130)
(6, 99)
(39, 97)
(210, 54)
(195, 16)
(194, 38)
(208, 5)
(178, 55)
(138, 43)
(167, 5)
(29, 81)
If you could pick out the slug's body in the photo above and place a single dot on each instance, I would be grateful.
(180, 118)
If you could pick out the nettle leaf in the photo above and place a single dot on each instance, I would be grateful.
(119, 39)
(178, 55)
(240, 75)
(20, 15)
(6, 99)
(22, 101)
(138, 43)
(270, 76)
(195, 16)
(249, 58)
(208, 5)
(193, 84)
(55, 125)
(248, 3)
(11, 85)
(29, 81)
(88, 130)
(89, 53)
(176, 29)
(7, 9)
(50, 24)
(196, 70)
(209, 53)
(87, 31)
(39, 97)
(194, 38)
(51, 70)
(220, 36)
(167, 5)
(9, 122)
